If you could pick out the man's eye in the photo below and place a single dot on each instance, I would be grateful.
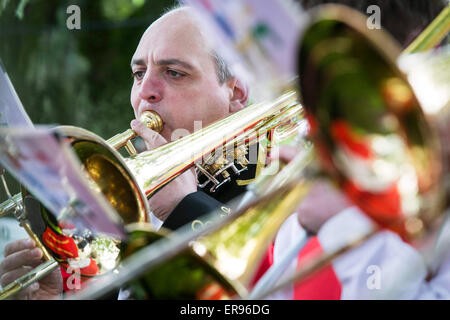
(138, 75)
(175, 74)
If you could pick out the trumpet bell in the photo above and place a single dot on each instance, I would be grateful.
(107, 170)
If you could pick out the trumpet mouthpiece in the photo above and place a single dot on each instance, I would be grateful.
(152, 120)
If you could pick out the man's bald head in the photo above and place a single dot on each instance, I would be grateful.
(183, 19)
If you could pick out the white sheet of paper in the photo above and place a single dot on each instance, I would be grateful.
(12, 112)
(51, 171)
(258, 39)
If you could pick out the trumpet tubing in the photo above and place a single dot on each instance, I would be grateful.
(154, 169)
(150, 118)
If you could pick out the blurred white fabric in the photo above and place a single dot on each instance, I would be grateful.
(10, 230)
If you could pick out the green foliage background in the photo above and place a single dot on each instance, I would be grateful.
(75, 77)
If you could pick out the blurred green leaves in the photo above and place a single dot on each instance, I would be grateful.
(20, 7)
(120, 9)
(74, 77)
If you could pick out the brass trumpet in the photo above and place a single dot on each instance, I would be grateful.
(343, 140)
(153, 169)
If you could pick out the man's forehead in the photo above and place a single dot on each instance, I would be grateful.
(170, 52)
(174, 34)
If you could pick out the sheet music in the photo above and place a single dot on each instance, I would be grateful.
(12, 112)
(258, 39)
(51, 172)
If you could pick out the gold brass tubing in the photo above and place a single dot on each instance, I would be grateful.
(170, 160)
(432, 34)
(10, 204)
(120, 139)
(15, 203)
(130, 148)
(24, 281)
(247, 237)
(32, 235)
(266, 183)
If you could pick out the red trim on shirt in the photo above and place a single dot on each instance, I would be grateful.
(322, 285)
(264, 266)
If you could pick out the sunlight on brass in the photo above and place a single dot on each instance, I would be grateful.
(154, 169)
(433, 34)
(28, 279)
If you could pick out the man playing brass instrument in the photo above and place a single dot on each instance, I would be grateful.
(177, 74)
(157, 78)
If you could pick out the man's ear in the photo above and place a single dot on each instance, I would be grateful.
(239, 96)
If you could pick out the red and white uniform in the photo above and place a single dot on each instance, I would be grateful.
(400, 270)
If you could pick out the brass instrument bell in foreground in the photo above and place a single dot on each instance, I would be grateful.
(371, 135)
(369, 130)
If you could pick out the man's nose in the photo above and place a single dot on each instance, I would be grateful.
(151, 89)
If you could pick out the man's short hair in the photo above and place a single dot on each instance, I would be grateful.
(223, 72)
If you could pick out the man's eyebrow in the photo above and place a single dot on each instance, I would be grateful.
(165, 62)
(139, 62)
